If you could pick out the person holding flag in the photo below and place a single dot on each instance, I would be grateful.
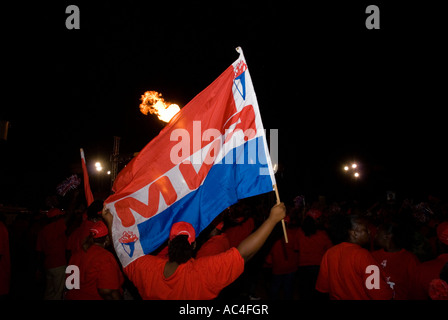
(211, 154)
(184, 278)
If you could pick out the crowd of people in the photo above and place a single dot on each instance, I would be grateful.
(326, 250)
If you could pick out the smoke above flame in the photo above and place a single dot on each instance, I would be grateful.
(153, 103)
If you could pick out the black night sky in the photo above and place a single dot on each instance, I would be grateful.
(336, 91)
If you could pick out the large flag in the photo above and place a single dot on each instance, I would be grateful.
(210, 155)
(87, 190)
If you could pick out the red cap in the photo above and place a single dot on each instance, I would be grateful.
(442, 232)
(99, 229)
(54, 212)
(179, 228)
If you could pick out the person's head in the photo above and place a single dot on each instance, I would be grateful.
(358, 232)
(348, 228)
(309, 226)
(94, 210)
(181, 242)
(99, 235)
(391, 236)
(54, 214)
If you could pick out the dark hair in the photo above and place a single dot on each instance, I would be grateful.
(90, 240)
(340, 225)
(400, 233)
(309, 226)
(179, 249)
(95, 207)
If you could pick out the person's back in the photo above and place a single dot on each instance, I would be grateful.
(239, 232)
(313, 247)
(215, 245)
(78, 236)
(100, 276)
(399, 264)
(97, 269)
(283, 256)
(183, 277)
(399, 269)
(52, 242)
(347, 266)
(196, 279)
(343, 274)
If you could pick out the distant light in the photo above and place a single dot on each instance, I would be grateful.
(346, 168)
(354, 165)
(97, 164)
(108, 172)
(356, 174)
(99, 168)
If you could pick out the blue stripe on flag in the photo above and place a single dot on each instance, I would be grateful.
(223, 186)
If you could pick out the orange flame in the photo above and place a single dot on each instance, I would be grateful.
(153, 103)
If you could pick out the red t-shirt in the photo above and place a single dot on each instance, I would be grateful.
(312, 249)
(98, 269)
(284, 257)
(5, 263)
(343, 274)
(425, 273)
(238, 233)
(197, 279)
(399, 269)
(214, 245)
(52, 241)
(79, 235)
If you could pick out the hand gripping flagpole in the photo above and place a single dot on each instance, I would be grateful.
(283, 220)
(240, 51)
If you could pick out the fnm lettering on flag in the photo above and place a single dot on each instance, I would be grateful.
(210, 155)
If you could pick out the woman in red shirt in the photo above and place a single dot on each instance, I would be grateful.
(99, 272)
(185, 278)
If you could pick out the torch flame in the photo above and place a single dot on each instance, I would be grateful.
(153, 103)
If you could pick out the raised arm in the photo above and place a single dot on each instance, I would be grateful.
(107, 216)
(250, 246)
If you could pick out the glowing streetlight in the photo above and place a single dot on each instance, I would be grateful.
(98, 166)
(353, 170)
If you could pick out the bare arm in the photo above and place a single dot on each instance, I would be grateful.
(107, 216)
(250, 246)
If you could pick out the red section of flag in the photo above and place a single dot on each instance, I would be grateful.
(210, 107)
(87, 190)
